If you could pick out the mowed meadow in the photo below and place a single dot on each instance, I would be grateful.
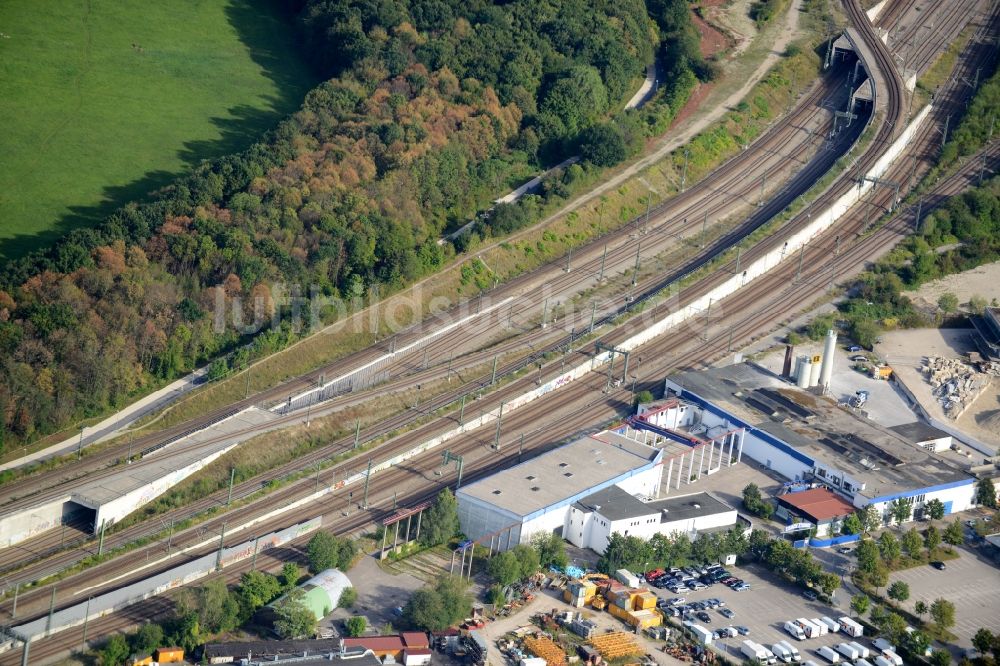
(104, 101)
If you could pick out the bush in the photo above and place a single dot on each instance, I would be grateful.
(355, 626)
(347, 598)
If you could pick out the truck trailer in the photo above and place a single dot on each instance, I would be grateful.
(823, 629)
(831, 624)
(812, 631)
(850, 627)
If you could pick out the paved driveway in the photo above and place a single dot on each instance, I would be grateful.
(970, 582)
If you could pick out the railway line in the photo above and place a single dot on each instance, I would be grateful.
(735, 186)
(853, 259)
(248, 488)
(564, 411)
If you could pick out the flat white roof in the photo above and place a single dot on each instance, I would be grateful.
(561, 474)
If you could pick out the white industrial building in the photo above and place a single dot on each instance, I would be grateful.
(804, 438)
(507, 508)
(593, 519)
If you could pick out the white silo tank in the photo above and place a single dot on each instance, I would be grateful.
(814, 371)
(829, 349)
(804, 365)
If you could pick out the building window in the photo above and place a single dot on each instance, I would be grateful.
(919, 498)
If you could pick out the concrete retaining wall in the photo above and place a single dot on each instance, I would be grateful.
(38, 519)
(110, 602)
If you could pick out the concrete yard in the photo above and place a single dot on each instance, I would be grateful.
(379, 593)
(885, 406)
(905, 351)
(970, 582)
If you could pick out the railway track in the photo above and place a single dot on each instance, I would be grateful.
(775, 153)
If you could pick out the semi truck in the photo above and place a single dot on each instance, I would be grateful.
(795, 630)
(796, 657)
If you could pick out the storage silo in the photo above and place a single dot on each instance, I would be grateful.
(803, 371)
(814, 371)
(829, 348)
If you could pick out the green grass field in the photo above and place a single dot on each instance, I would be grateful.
(103, 101)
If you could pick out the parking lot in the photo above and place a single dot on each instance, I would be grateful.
(970, 582)
(764, 609)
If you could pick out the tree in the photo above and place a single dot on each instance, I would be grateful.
(440, 520)
(347, 598)
(880, 576)
(954, 534)
(899, 591)
(355, 626)
(326, 551)
(218, 609)
(917, 643)
(603, 144)
(148, 638)
(986, 493)
(185, 631)
(932, 538)
(868, 556)
(293, 618)
(860, 604)
(948, 302)
(934, 509)
(115, 651)
(256, 589)
(943, 613)
(894, 627)
(527, 559)
(912, 544)
(940, 658)
(851, 525)
(829, 582)
(504, 568)
(439, 607)
(900, 509)
(871, 519)
(920, 608)
(878, 615)
(983, 641)
(755, 502)
(290, 574)
(497, 596)
(889, 548)
(551, 550)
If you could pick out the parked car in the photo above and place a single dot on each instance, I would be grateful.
(741, 587)
(940, 566)
(810, 595)
(854, 348)
(704, 617)
(845, 550)
(742, 631)
(676, 601)
(727, 613)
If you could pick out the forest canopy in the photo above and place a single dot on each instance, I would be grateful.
(431, 110)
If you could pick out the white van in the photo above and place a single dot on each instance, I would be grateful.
(829, 654)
